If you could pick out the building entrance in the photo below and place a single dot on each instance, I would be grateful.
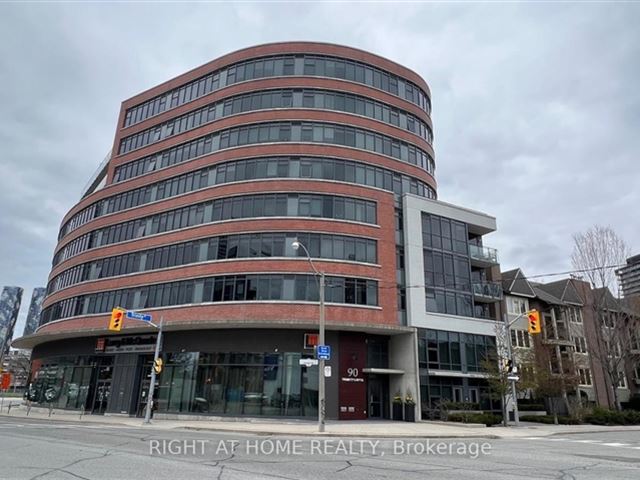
(378, 396)
(144, 381)
(99, 397)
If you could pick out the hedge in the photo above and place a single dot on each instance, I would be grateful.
(531, 407)
(602, 416)
(548, 419)
(488, 419)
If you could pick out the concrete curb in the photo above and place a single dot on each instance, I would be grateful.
(236, 427)
(342, 435)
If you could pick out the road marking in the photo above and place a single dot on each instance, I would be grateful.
(592, 442)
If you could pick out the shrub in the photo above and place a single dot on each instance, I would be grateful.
(603, 416)
(548, 419)
(488, 419)
(460, 406)
(531, 407)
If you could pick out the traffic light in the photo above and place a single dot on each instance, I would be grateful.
(157, 365)
(117, 318)
(534, 321)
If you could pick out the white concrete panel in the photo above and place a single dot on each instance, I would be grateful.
(454, 323)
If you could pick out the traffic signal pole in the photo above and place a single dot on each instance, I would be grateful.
(507, 327)
(152, 385)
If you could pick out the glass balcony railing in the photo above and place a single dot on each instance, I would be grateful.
(484, 254)
(486, 290)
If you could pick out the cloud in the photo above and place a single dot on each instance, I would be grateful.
(536, 106)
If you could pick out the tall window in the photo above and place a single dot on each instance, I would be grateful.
(447, 269)
(575, 315)
(520, 338)
(581, 344)
(585, 376)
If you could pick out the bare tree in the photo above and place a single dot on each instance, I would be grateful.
(553, 377)
(497, 372)
(597, 253)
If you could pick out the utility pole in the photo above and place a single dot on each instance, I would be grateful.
(152, 385)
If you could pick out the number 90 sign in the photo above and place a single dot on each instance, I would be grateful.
(352, 372)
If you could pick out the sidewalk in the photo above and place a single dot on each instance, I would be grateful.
(364, 428)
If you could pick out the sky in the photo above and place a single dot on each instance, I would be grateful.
(536, 106)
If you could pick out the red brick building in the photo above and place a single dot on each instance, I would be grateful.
(212, 176)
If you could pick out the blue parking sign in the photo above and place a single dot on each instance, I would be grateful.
(323, 352)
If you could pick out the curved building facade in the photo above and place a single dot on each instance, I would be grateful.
(212, 176)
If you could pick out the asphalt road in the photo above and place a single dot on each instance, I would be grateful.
(35, 449)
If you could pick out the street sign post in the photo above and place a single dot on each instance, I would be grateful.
(323, 352)
(144, 317)
(308, 362)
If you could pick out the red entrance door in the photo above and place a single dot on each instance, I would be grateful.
(352, 390)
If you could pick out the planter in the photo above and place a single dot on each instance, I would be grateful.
(409, 412)
(397, 411)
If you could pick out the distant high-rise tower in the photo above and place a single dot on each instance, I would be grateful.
(33, 317)
(9, 308)
(629, 277)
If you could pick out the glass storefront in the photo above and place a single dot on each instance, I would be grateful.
(71, 382)
(231, 383)
(269, 384)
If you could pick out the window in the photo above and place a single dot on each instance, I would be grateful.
(575, 315)
(262, 205)
(622, 380)
(517, 305)
(447, 274)
(225, 288)
(585, 376)
(442, 350)
(581, 344)
(281, 132)
(219, 248)
(283, 65)
(520, 338)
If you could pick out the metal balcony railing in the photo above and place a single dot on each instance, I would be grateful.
(484, 254)
(487, 290)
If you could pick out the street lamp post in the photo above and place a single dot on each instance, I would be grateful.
(321, 383)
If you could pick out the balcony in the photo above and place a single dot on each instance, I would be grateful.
(483, 256)
(487, 292)
(560, 341)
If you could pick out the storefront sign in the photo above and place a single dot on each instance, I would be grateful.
(137, 344)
